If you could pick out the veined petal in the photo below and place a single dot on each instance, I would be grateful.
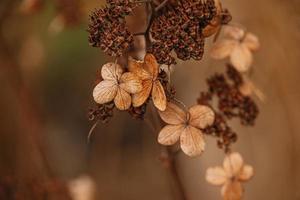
(216, 175)
(111, 71)
(246, 173)
(130, 83)
(222, 49)
(251, 41)
(172, 114)
(232, 190)
(241, 58)
(170, 134)
(158, 96)
(105, 91)
(139, 98)
(201, 116)
(151, 65)
(192, 141)
(122, 100)
(233, 164)
(137, 67)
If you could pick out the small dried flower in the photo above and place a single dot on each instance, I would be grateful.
(233, 172)
(238, 45)
(248, 89)
(185, 125)
(82, 188)
(116, 86)
(147, 71)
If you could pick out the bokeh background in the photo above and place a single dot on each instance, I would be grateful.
(46, 84)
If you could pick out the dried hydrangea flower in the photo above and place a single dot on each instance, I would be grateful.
(147, 71)
(186, 126)
(116, 86)
(238, 45)
(233, 172)
(248, 88)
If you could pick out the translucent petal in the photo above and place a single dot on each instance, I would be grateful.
(158, 96)
(192, 141)
(170, 134)
(105, 91)
(151, 65)
(246, 173)
(122, 100)
(222, 49)
(111, 71)
(232, 190)
(139, 98)
(233, 32)
(216, 175)
(251, 41)
(241, 58)
(172, 114)
(137, 67)
(201, 116)
(130, 83)
(233, 164)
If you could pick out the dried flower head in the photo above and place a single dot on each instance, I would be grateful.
(147, 71)
(238, 45)
(116, 86)
(233, 172)
(186, 126)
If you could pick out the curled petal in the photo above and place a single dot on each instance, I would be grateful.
(130, 83)
(111, 71)
(251, 41)
(122, 100)
(192, 141)
(151, 65)
(170, 134)
(172, 114)
(201, 116)
(137, 67)
(105, 91)
(241, 58)
(234, 32)
(139, 98)
(158, 96)
(232, 190)
(216, 175)
(222, 49)
(233, 164)
(246, 173)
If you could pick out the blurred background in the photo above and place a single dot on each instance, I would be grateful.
(47, 72)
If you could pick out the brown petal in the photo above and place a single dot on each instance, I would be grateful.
(130, 83)
(233, 164)
(222, 49)
(139, 98)
(172, 114)
(201, 116)
(151, 65)
(251, 41)
(216, 175)
(234, 32)
(111, 71)
(105, 91)
(246, 173)
(232, 191)
(192, 141)
(170, 134)
(241, 58)
(137, 67)
(158, 96)
(122, 100)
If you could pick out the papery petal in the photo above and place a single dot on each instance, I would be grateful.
(192, 141)
(246, 173)
(111, 71)
(201, 116)
(172, 114)
(122, 100)
(232, 190)
(251, 41)
(170, 134)
(241, 58)
(233, 32)
(139, 98)
(222, 49)
(158, 96)
(233, 164)
(216, 175)
(130, 83)
(137, 67)
(151, 65)
(105, 91)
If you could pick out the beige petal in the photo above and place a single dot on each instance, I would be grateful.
(137, 67)
(130, 83)
(232, 190)
(122, 100)
(233, 32)
(158, 96)
(151, 65)
(105, 91)
(192, 141)
(216, 175)
(172, 114)
(111, 71)
(251, 41)
(246, 173)
(139, 98)
(201, 116)
(222, 49)
(170, 134)
(233, 164)
(241, 58)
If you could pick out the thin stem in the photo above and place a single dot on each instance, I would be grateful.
(160, 6)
